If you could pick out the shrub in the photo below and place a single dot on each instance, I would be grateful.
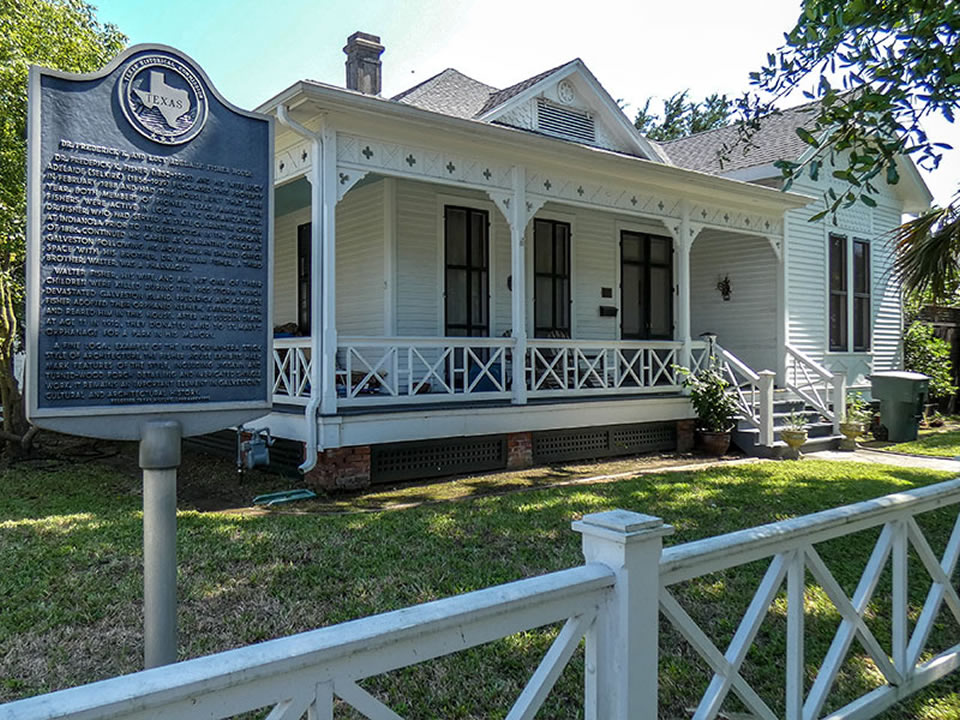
(715, 407)
(925, 353)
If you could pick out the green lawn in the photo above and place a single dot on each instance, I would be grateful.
(939, 443)
(70, 583)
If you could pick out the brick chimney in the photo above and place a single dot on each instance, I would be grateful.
(363, 63)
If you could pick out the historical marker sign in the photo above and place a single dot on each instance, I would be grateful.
(149, 278)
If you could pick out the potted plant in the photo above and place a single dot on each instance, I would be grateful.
(794, 434)
(716, 408)
(856, 413)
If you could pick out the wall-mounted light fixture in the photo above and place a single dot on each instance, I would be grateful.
(723, 285)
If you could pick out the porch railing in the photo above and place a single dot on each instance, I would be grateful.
(398, 370)
(291, 370)
(820, 388)
(612, 601)
(414, 370)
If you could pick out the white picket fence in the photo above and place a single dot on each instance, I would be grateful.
(614, 601)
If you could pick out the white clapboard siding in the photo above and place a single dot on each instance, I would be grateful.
(746, 325)
(887, 307)
(419, 285)
(596, 256)
(807, 267)
(285, 265)
(360, 260)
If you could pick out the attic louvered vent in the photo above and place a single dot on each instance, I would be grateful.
(565, 122)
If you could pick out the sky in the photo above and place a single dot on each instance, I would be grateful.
(253, 49)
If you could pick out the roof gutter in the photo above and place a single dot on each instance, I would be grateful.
(316, 347)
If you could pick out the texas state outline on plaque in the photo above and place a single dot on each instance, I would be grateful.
(170, 101)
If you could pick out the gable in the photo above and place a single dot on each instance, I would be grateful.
(569, 103)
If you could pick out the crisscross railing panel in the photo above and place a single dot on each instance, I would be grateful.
(305, 672)
(791, 547)
(744, 385)
(396, 370)
(582, 367)
(811, 381)
(291, 370)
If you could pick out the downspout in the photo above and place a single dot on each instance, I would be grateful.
(316, 338)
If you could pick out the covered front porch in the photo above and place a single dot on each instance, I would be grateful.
(415, 273)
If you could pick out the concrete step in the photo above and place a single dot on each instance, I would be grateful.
(779, 448)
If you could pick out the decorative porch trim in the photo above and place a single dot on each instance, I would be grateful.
(293, 162)
(346, 179)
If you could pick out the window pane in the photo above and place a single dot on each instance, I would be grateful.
(479, 298)
(861, 267)
(838, 322)
(632, 245)
(456, 297)
(544, 306)
(861, 323)
(543, 247)
(632, 319)
(478, 238)
(661, 296)
(660, 250)
(838, 268)
(456, 236)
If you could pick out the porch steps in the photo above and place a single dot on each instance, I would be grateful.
(819, 431)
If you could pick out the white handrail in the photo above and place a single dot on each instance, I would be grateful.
(216, 686)
(825, 391)
(809, 362)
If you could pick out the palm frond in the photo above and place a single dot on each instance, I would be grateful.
(928, 253)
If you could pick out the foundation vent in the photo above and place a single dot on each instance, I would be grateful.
(437, 458)
(589, 443)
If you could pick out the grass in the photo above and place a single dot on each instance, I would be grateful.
(943, 442)
(70, 592)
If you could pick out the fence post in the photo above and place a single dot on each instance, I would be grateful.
(621, 651)
(765, 411)
(839, 400)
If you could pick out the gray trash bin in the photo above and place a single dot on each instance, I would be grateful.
(902, 396)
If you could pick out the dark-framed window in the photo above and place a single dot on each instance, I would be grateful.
(466, 238)
(861, 295)
(646, 286)
(303, 278)
(551, 278)
(850, 303)
(838, 293)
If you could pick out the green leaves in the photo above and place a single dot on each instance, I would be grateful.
(807, 137)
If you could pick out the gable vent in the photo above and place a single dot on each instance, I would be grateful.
(565, 122)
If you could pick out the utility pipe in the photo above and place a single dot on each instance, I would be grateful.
(316, 337)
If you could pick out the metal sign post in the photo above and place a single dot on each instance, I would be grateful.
(149, 275)
(159, 460)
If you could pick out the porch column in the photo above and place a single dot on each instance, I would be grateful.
(684, 241)
(517, 218)
(324, 317)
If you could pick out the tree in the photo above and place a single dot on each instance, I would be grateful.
(681, 117)
(60, 34)
(878, 71)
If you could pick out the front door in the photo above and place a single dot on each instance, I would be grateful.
(551, 279)
(646, 286)
(467, 266)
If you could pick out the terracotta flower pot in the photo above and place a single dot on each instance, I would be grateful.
(715, 443)
(794, 440)
(851, 431)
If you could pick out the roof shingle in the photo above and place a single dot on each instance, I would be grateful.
(450, 93)
(777, 139)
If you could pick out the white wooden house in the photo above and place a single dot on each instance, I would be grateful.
(469, 276)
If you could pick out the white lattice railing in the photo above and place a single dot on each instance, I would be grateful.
(744, 384)
(817, 386)
(612, 602)
(791, 545)
(291, 370)
(585, 367)
(414, 370)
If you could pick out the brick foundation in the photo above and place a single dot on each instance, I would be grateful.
(519, 450)
(685, 430)
(341, 469)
